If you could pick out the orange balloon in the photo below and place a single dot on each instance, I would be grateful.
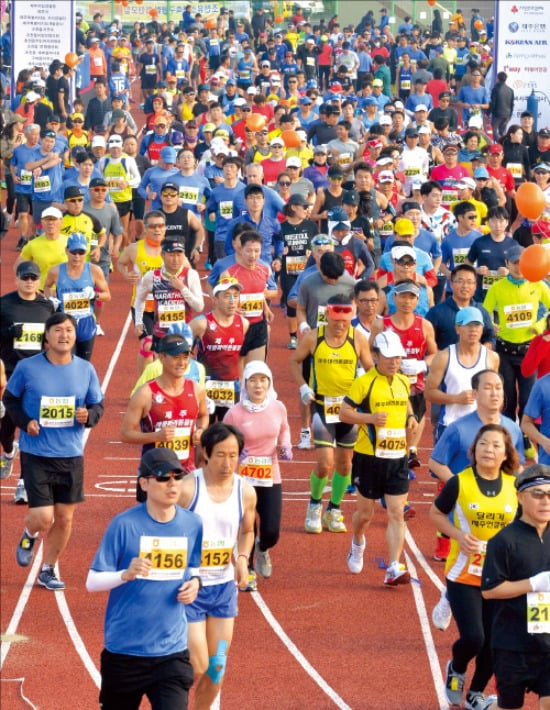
(530, 200)
(139, 2)
(125, 3)
(153, 12)
(255, 122)
(71, 59)
(478, 24)
(211, 23)
(534, 263)
(279, 19)
(291, 139)
(431, 3)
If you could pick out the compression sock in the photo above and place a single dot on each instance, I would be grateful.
(317, 487)
(339, 485)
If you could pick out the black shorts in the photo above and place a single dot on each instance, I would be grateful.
(518, 673)
(52, 480)
(123, 208)
(418, 404)
(256, 337)
(148, 81)
(165, 680)
(24, 203)
(148, 320)
(375, 477)
(138, 204)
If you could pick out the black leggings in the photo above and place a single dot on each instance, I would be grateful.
(473, 619)
(269, 508)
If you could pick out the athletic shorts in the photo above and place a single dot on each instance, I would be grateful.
(418, 404)
(148, 81)
(123, 208)
(219, 600)
(518, 673)
(337, 434)
(256, 337)
(52, 480)
(375, 477)
(148, 320)
(138, 204)
(24, 203)
(164, 679)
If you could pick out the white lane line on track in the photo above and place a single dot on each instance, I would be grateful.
(60, 596)
(423, 561)
(427, 636)
(298, 655)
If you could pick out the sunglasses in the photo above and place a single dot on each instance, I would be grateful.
(29, 277)
(335, 178)
(99, 189)
(75, 199)
(77, 120)
(539, 495)
(169, 194)
(246, 110)
(406, 262)
(262, 133)
(77, 252)
(160, 125)
(284, 184)
(167, 477)
(156, 225)
(322, 241)
(471, 216)
(340, 310)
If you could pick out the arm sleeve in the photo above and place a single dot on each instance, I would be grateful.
(142, 289)
(103, 581)
(95, 412)
(14, 407)
(446, 500)
(195, 300)
(134, 178)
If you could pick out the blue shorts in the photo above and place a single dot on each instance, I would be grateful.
(219, 600)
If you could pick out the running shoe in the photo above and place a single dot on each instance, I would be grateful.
(313, 518)
(263, 563)
(454, 685)
(20, 244)
(48, 579)
(414, 461)
(292, 343)
(99, 330)
(355, 556)
(305, 440)
(441, 613)
(396, 574)
(529, 449)
(442, 549)
(409, 512)
(6, 462)
(24, 552)
(478, 701)
(252, 585)
(333, 520)
(351, 488)
(20, 495)
(208, 266)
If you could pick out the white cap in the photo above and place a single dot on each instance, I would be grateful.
(423, 129)
(385, 176)
(467, 182)
(220, 148)
(277, 141)
(240, 101)
(98, 140)
(421, 107)
(252, 90)
(475, 122)
(388, 343)
(31, 96)
(399, 252)
(385, 120)
(293, 161)
(52, 212)
(115, 140)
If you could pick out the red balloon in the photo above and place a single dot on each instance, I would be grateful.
(530, 200)
(255, 122)
(291, 139)
(534, 263)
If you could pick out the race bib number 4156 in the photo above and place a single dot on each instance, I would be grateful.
(168, 556)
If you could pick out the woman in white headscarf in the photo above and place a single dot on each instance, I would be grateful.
(262, 419)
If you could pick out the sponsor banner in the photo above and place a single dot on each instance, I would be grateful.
(523, 52)
(169, 10)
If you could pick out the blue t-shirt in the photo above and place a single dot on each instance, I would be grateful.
(20, 157)
(44, 390)
(154, 178)
(538, 405)
(454, 249)
(222, 203)
(194, 190)
(273, 204)
(415, 100)
(48, 186)
(268, 227)
(468, 95)
(423, 261)
(143, 617)
(453, 445)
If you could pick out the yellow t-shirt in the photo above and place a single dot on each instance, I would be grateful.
(45, 253)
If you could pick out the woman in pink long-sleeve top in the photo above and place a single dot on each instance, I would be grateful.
(262, 419)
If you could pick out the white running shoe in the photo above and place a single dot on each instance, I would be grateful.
(20, 495)
(441, 613)
(263, 564)
(305, 440)
(99, 330)
(355, 556)
(396, 574)
(313, 518)
(6, 462)
(333, 520)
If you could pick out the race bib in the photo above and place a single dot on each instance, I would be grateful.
(489, 279)
(76, 304)
(475, 563)
(226, 209)
(519, 316)
(310, 61)
(516, 169)
(321, 315)
(538, 612)
(406, 84)
(180, 74)
(114, 184)
(168, 556)
(189, 195)
(411, 172)
(26, 177)
(169, 313)
(331, 409)
(448, 196)
(257, 470)
(216, 555)
(151, 69)
(180, 444)
(42, 183)
(98, 61)
(344, 159)
(221, 392)
(252, 304)
(459, 256)
(295, 264)
(390, 443)
(56, 412)
(30, 338)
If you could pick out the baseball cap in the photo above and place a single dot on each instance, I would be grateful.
(399, 252)
(157, 462)
(305, 101)
(378, 82)
(421, 107)
(27, 267)
(536, 475)
(98, 182)
(385, 120)
(252, 90)
(452, 147)
(351, 197)
(370, 101)
(77, 240)
(116, 97)
(225, 284)
(406, 287)
(98, 141)
(320, 149)
(544, 133)
(416, 183)
(495, 148)
(468, 315)
(475, 122)
(297, 199)
(335, 171)
(240, 102)
(171, 245)
(208, 127)
(77, 116)
(467, 182)
(72, 191)
(544, 167)
(403, 227)
(374, 143)
(481, 172)
(266, 63)
(168, 154)
(169, 186)
(293, 162)
(385, 176)
(115, 140)
(410, 205)
(277, 141)
(53, 212)
(384, 160)
(389, 344)
(219, 149)
(514, 252)
(423, 129)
